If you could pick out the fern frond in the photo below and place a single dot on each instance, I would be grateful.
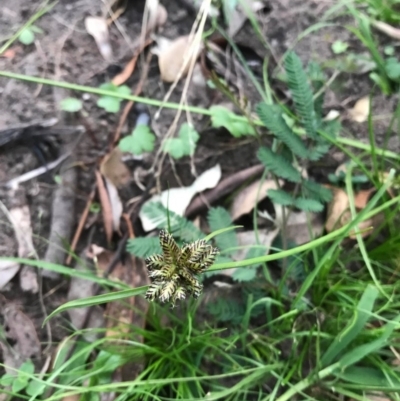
(331, 128)
(227, 310)
(271, 117)
(302, 94)
(317, 191)
(318, 79)
(218, 218)
(278, 165)
(318, 151)
(143, 247)
(280, 197)
(180, 226)
(309, 205)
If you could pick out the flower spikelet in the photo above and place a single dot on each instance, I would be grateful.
(174, 272)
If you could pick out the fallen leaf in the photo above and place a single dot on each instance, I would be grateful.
(21, 221)
(114, 169)
(178, 199)
(336, 209)
(249, 238)
(105, 207)
(20, 332)
(300, 227)
(116, 204)
(332, 115)
(239, 16)
(8, 269)
(173, 58)
(339, 212)
(98, 28)
(245, 201)
(359, 113)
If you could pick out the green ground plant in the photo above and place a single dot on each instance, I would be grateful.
(325, 327)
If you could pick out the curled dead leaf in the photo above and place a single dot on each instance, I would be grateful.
(336, 210)
(359, 113)
(246, 199)
(114, 169)
(173, 58)
(98, 28)
(339, 213)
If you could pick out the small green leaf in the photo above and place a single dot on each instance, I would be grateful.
(110, 104)
(71, 104)
(26, 37)
(27, 367)
(392, 68)
(309, 205)
(184, 144)
(278, 165)
(141, 140)
(248, 273)
(222, 117)
(19, 384)
(339, 47)
(6, 380)
(35, 388)
(280, 197)
(389, 50)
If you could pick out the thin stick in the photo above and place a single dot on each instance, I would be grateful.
(81, 224)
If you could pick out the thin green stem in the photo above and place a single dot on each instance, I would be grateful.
(175, 106)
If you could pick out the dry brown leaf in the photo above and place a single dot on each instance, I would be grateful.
(116, 204)
(8, 269)
(337, 209)
(300, 227)
(239, 16)
(105, 207)
(387, 29)
(114, 169)
(173, 58)
(361, 198)
(21, 221)
(20, 330)
(339, 212)
(359, 113)
(98, 28)
(246, 199)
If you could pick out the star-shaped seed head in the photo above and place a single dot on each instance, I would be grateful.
(174, 273)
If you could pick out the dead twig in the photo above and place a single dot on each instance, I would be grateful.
(81, 224)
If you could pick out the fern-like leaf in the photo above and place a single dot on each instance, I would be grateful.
(271, 117)
(280, 197)
(248, 273)
(317, 191)
(227, 310)
(144, 247)
(302, 94)
(318, 151)
(278, 165)
(218, 218)
(180, 226)
(309, 205)
(318, 80)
